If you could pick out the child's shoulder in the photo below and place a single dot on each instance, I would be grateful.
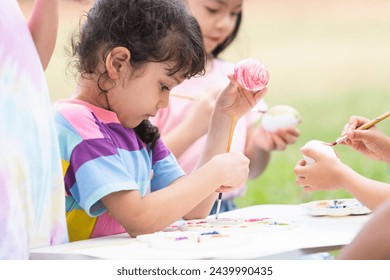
(79, 117)
(77, 113)
(78, 109)
(71, 105)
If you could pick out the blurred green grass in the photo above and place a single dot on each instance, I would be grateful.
(322, 121)
(329, 59)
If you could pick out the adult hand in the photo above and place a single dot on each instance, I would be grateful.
(372, 143)
(326, 173)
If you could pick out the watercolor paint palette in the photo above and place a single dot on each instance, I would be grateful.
(237, 225)
(335, 207)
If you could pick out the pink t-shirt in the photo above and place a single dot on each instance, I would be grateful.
(168, 118)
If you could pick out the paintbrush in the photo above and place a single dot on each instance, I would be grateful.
(178, 95)
(227, 150)
(365, 126)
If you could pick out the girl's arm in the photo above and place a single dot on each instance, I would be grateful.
(371, 243)
(370, 192)
(194, 125)
(43, 25)
(258, 157)
(261, 143)
(233, 99)
(328, 173)
(191, 196)
(157, 210)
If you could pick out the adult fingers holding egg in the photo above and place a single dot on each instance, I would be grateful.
(251, 75)
(320, 168)
(247, 87)
(280, 116)
(278, 128)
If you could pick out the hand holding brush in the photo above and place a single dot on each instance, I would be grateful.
(365, 126)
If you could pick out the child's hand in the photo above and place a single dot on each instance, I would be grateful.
(236, 99)
(200, 113)
(372, 142)
(326, 173)
(277, 140)
(234, 168)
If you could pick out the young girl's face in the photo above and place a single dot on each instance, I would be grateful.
(217, 19)
(141, 96)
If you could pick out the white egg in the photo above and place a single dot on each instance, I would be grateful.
(281, 116)
(321, 147)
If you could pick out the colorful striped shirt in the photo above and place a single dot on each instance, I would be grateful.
(99, 157)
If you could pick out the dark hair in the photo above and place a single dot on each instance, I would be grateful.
(152, 30)
(229, 39)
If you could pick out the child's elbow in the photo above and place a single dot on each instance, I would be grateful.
(133, 234)
(197, 215)
(139, 231)
(146, 227)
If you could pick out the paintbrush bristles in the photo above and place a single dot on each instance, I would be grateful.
(338, 140)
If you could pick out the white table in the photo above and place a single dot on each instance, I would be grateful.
(310, 235)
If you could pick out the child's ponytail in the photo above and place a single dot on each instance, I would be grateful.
(148, 133)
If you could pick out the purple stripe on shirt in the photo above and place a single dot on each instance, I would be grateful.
(123, 138)
(90, 149)
(159, 152)
(102, 126)
(87, 150)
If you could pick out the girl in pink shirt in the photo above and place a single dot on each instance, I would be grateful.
(184, 123)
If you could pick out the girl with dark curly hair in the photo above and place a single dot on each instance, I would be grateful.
(119, 176)
(220, 22)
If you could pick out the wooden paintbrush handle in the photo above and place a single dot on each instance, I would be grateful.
(363, 127)
(374, 121)
(178, 95)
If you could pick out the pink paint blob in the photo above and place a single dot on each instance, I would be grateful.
(251, 74)
(255, 220)
(181, 238)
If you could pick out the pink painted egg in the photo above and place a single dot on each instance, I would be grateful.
(251, 74)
